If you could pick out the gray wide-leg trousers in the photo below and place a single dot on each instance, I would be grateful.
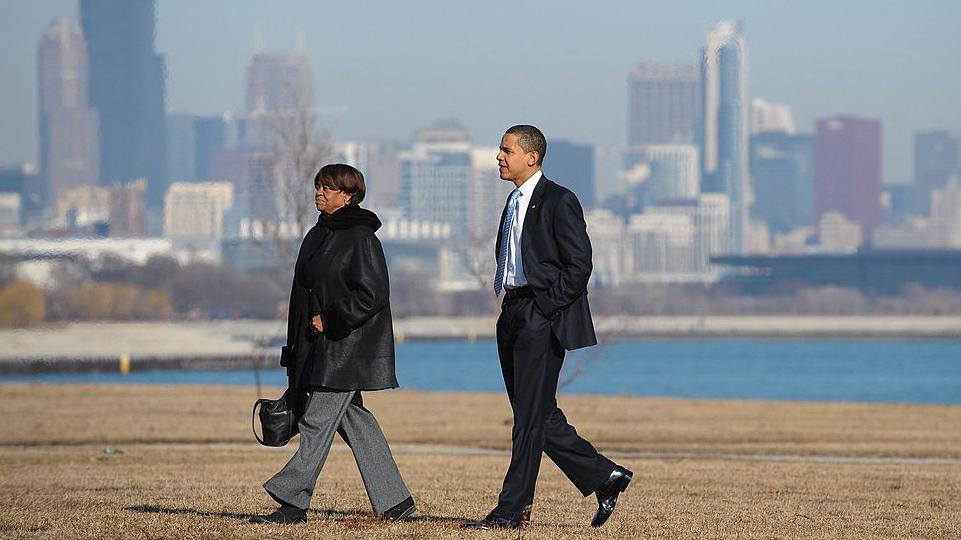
(344, 413)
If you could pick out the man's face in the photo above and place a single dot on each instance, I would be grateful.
(513, 162)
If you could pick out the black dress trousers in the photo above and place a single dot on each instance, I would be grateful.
(531, 360)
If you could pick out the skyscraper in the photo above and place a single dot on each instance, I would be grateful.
(279, 81)
(724, 139)
(181, 148)
(127, 89)
(937, 157)
(847, 155)
(782, 166)
(665, 103)
(69, 153)
(435, 177)
(279, 91)
(572, 165)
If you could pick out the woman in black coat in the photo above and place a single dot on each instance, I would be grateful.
(340, 341)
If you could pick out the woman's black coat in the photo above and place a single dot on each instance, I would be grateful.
(341, 274)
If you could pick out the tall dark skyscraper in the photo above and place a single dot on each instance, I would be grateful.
(847, 155)
(937, 157)
(127, 88)
(572, 165)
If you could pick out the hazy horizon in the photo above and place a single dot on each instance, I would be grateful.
(393, 68)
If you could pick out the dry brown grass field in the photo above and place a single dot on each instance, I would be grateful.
(704, 469)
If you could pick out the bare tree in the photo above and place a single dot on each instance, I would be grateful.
(281, 202)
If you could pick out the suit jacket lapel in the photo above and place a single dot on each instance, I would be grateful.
(533, 208)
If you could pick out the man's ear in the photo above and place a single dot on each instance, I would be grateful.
(532, 158)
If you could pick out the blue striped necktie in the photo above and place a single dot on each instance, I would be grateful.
(505, 241)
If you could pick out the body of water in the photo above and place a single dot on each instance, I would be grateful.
(909, 371)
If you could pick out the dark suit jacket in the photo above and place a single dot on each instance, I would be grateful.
(557, 262)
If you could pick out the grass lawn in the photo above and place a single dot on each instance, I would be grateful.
(704, 469)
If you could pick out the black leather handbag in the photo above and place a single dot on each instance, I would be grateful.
(278, 418)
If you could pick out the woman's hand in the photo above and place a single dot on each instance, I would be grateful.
(317, 323)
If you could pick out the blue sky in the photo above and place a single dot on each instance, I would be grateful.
(391, 67)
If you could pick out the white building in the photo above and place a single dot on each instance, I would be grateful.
(674, 171)
(606, 231)
(488, 195)
(709, 217)
(659, 247)
(9, 214)
(767, 116)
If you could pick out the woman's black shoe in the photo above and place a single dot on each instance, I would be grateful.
(400, 511)
(285, 515)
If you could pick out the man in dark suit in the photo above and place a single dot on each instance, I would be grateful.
(543, 265)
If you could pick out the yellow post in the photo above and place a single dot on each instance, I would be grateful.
(398, 336)
(124, 364)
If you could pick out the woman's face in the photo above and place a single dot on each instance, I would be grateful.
(330, 199)
(319, 200)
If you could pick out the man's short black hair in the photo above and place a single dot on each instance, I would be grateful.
(531, 140)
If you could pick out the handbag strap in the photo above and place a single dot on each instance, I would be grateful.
(253, 420)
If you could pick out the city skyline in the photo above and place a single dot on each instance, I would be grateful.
(847, 71)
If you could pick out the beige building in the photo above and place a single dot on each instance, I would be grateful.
(838, 233)
(196, 210)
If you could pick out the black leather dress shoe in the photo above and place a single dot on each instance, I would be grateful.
(401, 510)
(492, 522)
(607, 494)
(285, 515)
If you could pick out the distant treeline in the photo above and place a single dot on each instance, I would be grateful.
(165, 289)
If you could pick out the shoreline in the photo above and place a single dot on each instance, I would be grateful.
(99, 347)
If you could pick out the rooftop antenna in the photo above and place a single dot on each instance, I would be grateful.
(301, 40)
(259, 41)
